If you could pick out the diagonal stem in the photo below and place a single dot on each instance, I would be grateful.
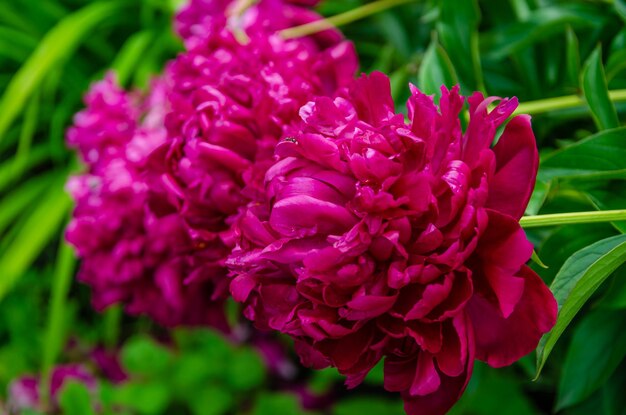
(341, 19)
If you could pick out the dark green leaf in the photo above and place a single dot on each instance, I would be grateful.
(75, 399)
(368, 405)
(245, 370)
(597, 348)
(596, 92)
(277, 403)
(146, 398)
(143, 356)
(600, 156)
(572, 57)
(540, 25)
(211, 400)
(436, 70)
(458, 31)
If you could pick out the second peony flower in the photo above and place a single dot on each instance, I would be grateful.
(379, 238)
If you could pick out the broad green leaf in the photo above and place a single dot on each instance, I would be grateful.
(36, 233)
(597, 348)
(75, 399)
(599, 156)
(435, 70)
(595, 88)
(577, 280)
(540, 25)
(458, 32)
(68, 33)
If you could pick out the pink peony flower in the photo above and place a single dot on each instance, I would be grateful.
(133, 254)
(199, 19)
(23, 393)
(379, 238)
(230, 103)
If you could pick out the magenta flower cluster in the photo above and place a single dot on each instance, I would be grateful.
(259, 167)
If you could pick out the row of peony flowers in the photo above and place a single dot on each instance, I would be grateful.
(258, 167)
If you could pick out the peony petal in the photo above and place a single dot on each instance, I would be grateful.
(501, 341)
(450, 388)
(516, 168)
(372, 98)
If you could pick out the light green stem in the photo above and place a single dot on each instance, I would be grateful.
(573, 218)
(341, 19)
(561, 103)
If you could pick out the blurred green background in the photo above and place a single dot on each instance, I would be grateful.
(51, 50)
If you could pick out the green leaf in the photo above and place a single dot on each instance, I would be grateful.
(277, 403)
(458, 31)
(75, 399)
(572, 56)
(538, 197)
(615, 64)
(609, 197)
(246, 370)
(17, 202)
(596, 92)
(597, 348)
(599, 156)
(130, 54)
(542, 23)
(143, 356)
(436, 70)
(68, 33)
(564, 241)
(212, 400)
(55, 337)
(33, 237)
(150, 398)
(578, 279)
(620, 8)
(368, 405)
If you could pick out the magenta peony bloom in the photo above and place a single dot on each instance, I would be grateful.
(133, 254)
(23, 393)
(199, 19)
(230, 104)
(380, 238)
